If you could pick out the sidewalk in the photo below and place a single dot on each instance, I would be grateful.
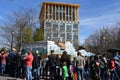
(5, 77)
(8, 78)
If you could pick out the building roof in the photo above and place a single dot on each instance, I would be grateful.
(57, 3)
(62, 4)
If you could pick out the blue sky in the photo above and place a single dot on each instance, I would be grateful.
(93, 14)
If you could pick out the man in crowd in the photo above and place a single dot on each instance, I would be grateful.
(18, 59)
(3, 57)
(11, 61)
(52, 60)
(79, 63)
(28, 60)
(36, 65)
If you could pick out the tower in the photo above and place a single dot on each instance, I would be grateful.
(60, 21)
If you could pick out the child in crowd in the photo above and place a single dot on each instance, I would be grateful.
(64, 71)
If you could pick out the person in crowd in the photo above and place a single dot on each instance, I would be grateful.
(65, 74)
(72, 69)
(116, 55)
(3, 58)
(58, 65)
(75, 70)
(12, 53)
(52, 60)
(11, 62)
(28, 71)
(114, 75)
(117, 63)
(23, 67)
(96, 65)
(47, 67)
(105, 60)
(65, 58)
(80, 63)
(87, 67)
(18, 66)
(104, 67)
(91, 66)
(43, 64)
(36, 65)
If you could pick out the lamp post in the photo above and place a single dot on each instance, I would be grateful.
(104, 38)
(12, 40)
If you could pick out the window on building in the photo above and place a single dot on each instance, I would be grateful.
(48, 35)
(75, 43)
(56, 8)
(62, 34)
(69, 27)
(75, 27)
(63, 9)
(70, 13)
(55, 27)
(48, 29)
(46, 11)
(48, 24)
(56, 15)
(69, 36)
(54, 12)
(73, 14)
(64, 13)
(61, 12)
(62, 26)
(67, 13)
(67, 10)
(64, 16)
(75, 36)
(55, 35)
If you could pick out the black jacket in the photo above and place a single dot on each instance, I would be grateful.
(36, 61)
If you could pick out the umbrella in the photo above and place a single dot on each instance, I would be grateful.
(113, 50)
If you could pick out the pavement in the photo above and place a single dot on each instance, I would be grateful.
(8, 78)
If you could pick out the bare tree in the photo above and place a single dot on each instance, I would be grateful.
(22, 23)
(103, 39)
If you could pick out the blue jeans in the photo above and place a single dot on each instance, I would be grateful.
(28, 73)
(2, 68)
(80, 73)
(114, 75)
(36, 73)
(104, 74)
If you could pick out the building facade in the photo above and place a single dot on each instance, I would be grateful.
(60, 21)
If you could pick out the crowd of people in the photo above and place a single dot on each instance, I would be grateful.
(59, 66)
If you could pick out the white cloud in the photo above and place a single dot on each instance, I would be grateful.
(101, 20)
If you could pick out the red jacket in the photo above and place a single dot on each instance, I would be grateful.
(3, 58)
(29, 60)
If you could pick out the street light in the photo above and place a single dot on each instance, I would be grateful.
(104, 39)
(12, 40)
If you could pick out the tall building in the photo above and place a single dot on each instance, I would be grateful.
(60, 21)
